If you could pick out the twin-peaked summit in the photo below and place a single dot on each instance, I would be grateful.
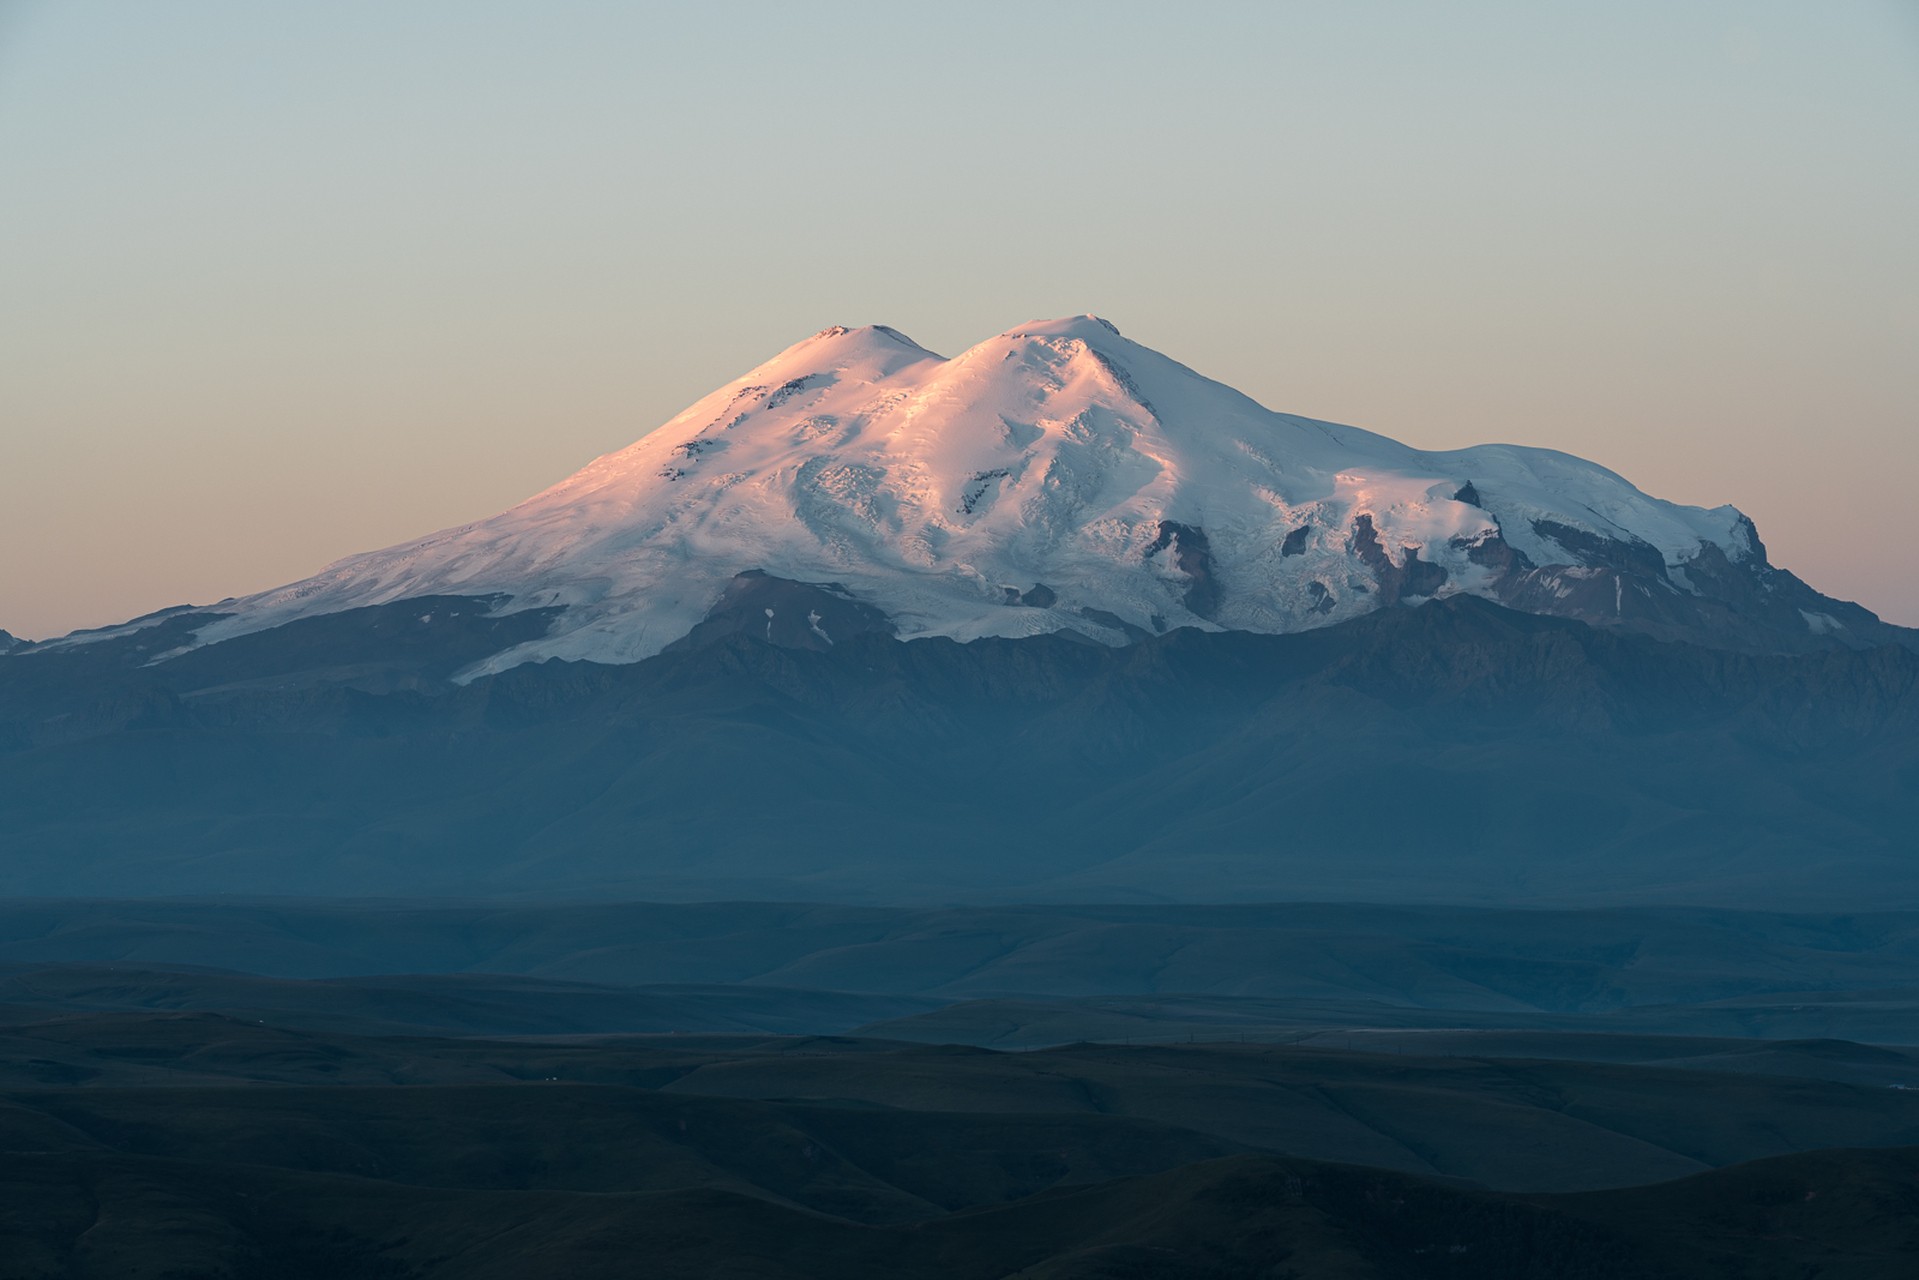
(1058, 477)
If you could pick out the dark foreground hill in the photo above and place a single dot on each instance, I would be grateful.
(188, 1147)
(1452, 752)
(1836, 1215)
(628, 1113)
(1340, 1091)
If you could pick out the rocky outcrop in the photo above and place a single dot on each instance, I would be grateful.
(791, 615)
(1410, 577)
(1746, 605)
(1193, 554)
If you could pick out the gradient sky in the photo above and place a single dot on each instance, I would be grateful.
(279, 283)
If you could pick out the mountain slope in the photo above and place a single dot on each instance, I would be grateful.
(1057, 477)
(1454, 752)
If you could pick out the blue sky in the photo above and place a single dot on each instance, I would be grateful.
(279, 283)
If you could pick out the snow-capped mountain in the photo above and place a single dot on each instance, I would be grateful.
(385, 726)
(1056, 477)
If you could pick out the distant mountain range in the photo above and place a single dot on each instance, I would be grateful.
(1054, 619)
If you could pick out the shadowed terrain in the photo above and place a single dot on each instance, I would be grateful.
(1509, 1120)
(1454, 752)
(179, 1145)
(1014, 977)
(1842, 1216)
(413, 1090)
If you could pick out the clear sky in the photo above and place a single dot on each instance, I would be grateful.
(282, 282)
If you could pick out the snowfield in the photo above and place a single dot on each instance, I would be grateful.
(1138, 494)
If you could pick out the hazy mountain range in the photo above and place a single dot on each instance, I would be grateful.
(1057, 618)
